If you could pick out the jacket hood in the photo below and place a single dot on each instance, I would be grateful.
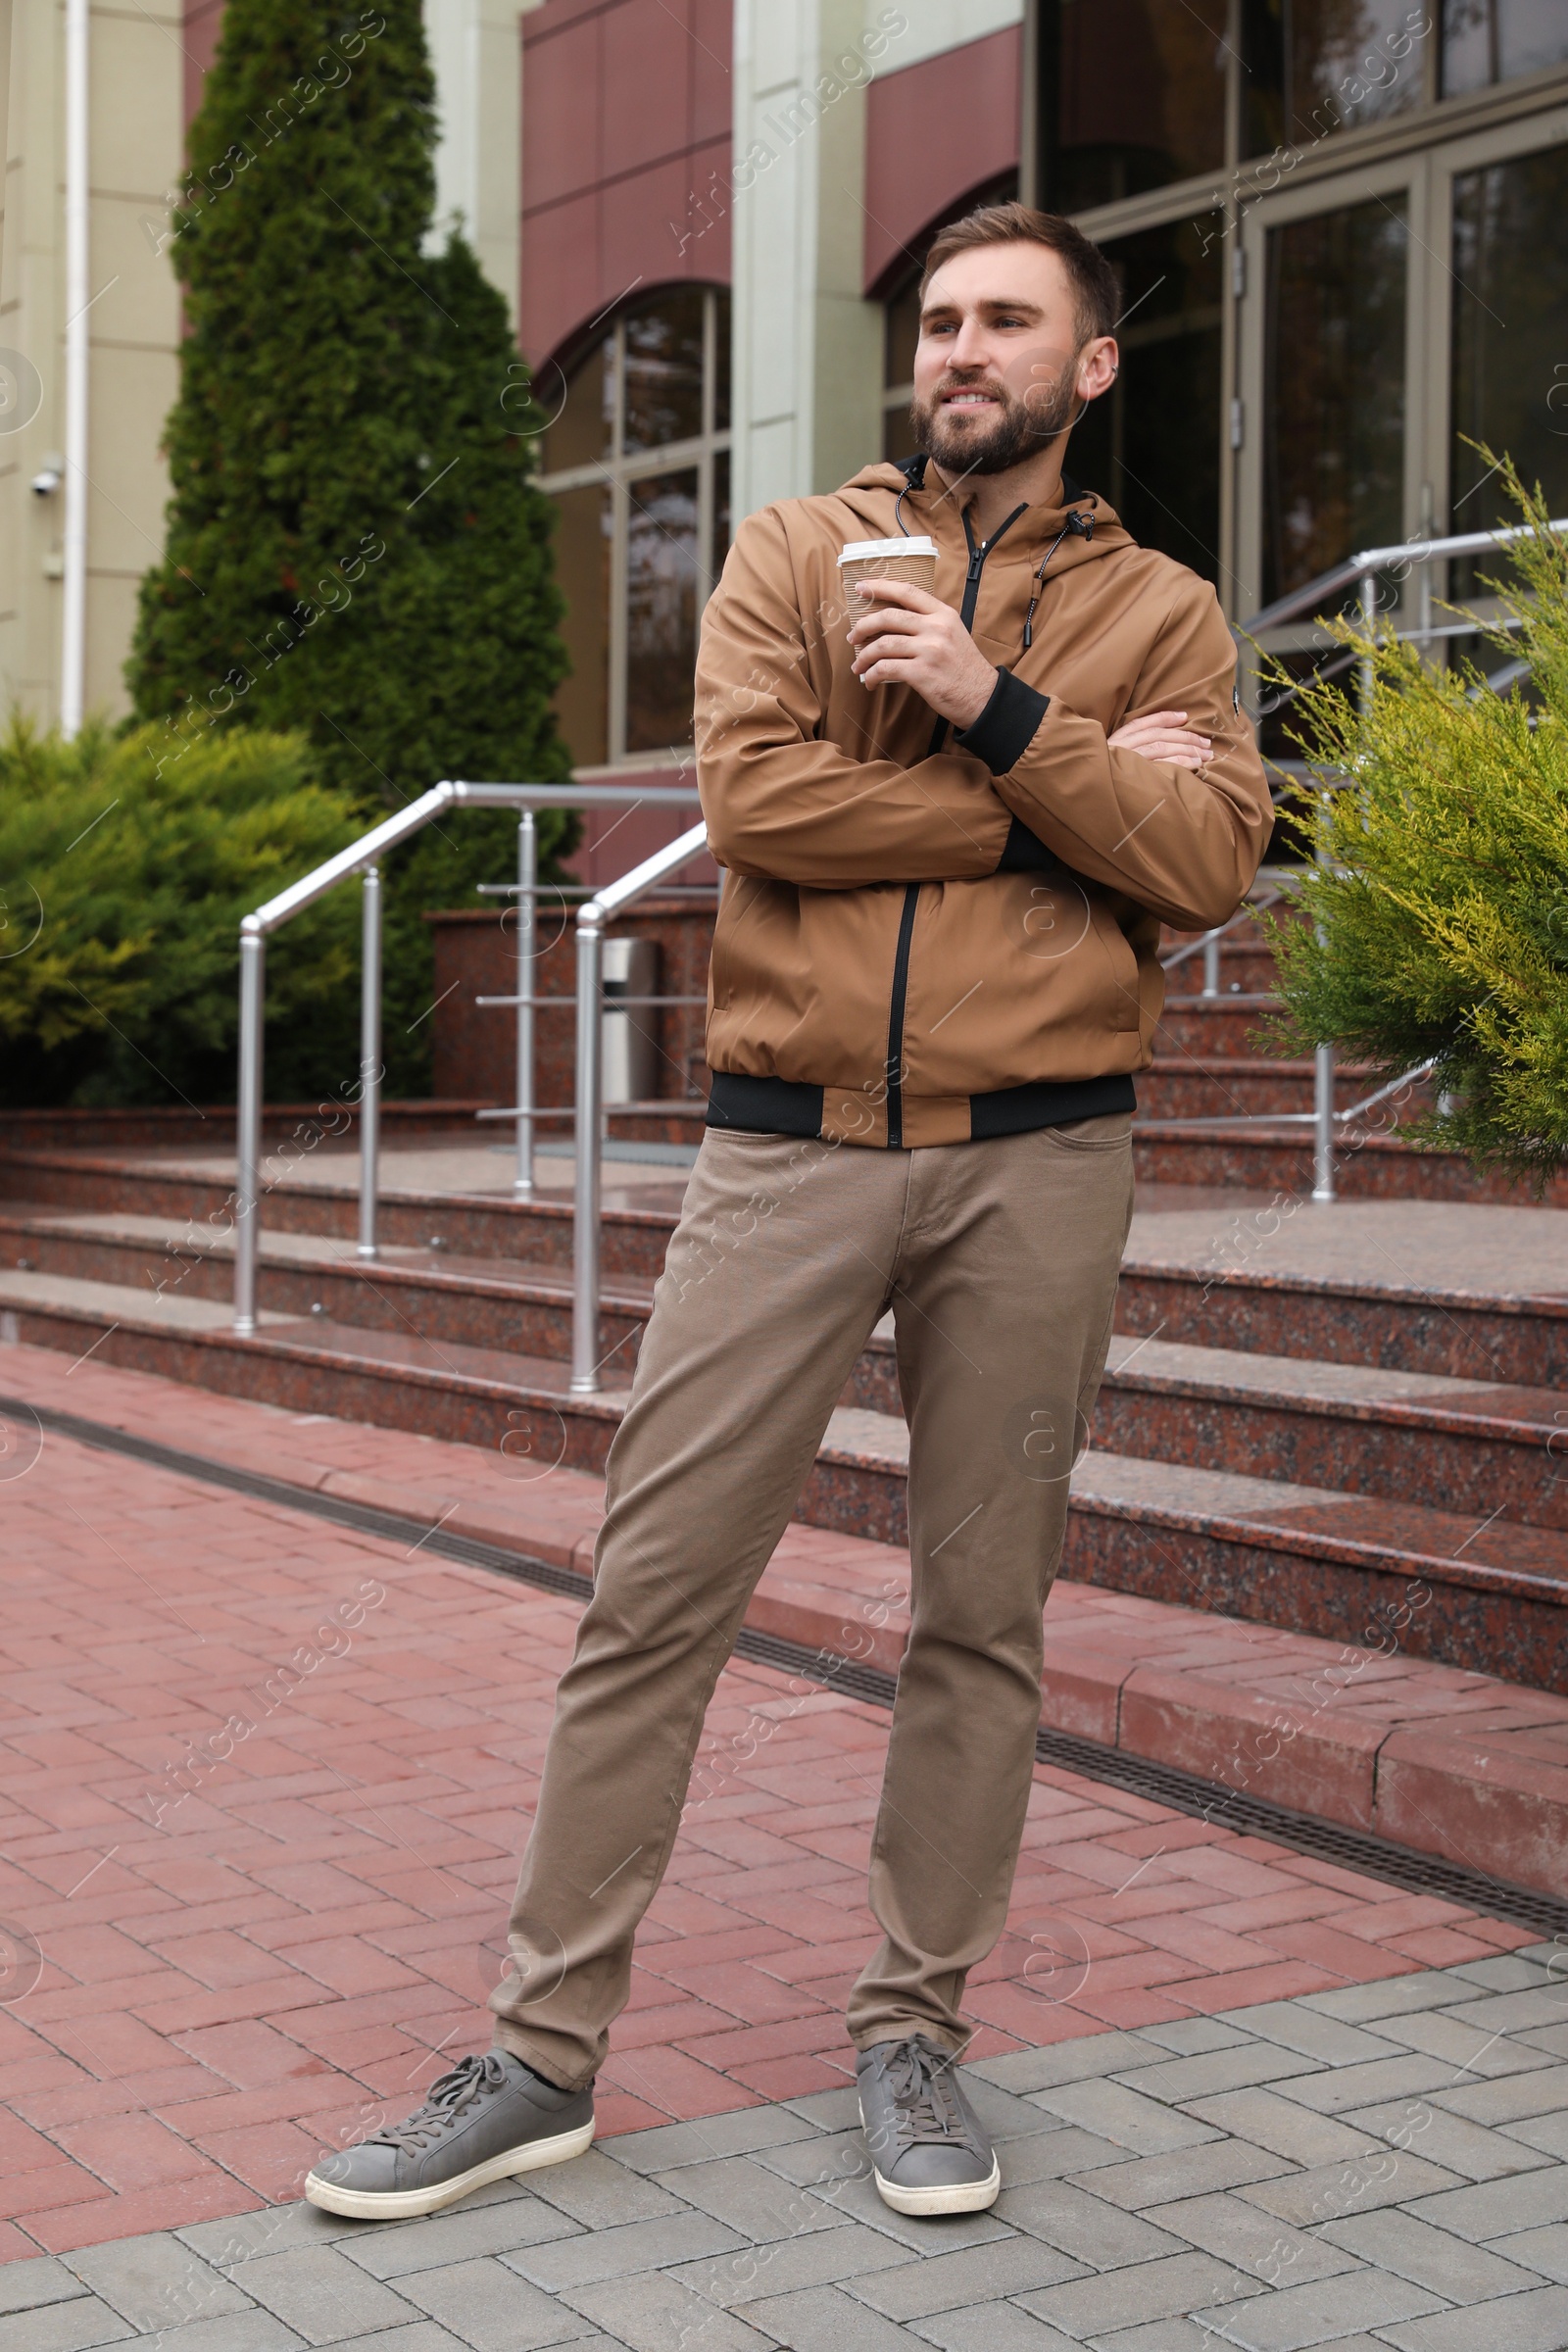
(937, 512)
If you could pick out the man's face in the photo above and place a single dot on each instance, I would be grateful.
(999, 370)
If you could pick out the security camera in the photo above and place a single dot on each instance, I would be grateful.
(48, 481)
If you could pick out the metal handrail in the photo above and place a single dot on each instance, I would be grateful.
(1303, 602)
(588, 1175)
(363, 857)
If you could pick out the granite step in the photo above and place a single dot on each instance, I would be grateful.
(1487, 1450)
(1210, 1026)
(1489, 1595)
(1218, 1085)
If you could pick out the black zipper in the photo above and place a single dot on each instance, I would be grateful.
(912, 894)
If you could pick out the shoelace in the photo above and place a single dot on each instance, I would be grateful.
(449, 2095)
(928, 2109)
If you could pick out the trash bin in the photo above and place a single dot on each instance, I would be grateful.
(630, 1054)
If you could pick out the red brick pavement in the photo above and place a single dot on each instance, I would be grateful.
(241, 1964)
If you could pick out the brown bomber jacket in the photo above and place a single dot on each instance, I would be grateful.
(926, 937)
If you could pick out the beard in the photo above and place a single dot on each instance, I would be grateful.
(1022, 429)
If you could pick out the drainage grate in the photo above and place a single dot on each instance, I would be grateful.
(1140, 1776)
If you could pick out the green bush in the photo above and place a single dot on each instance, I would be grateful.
(123, 875)
(1438, 919)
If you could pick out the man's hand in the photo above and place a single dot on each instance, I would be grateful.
(912, 639)
(1163, 735)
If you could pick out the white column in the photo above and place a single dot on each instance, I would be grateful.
(73, 613)
(476, 50)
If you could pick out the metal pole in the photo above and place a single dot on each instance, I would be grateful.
(73, 599)
(370, 1061)
(585, 1200)
(1323, 1125)
(527, 898)
(248, 1130)
(1367, 590)
(1212, 964)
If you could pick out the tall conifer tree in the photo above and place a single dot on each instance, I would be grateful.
(356, 545)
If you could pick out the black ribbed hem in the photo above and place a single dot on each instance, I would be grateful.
(1047, 1102)
(785, 1106)
(1006, 726)
(765, 1105)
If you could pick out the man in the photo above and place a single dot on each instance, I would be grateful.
(952, 825)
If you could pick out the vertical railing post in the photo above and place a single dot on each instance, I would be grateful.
(1323, 1070)
(527, 894)
(369, 1060)
(586, 1194)
(1212, 964)
(248, 1126)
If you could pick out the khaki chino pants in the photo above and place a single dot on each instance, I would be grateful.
(999, 1261)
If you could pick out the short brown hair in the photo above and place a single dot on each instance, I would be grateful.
(1097, 296)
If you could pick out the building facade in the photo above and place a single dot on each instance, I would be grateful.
(1340, 227)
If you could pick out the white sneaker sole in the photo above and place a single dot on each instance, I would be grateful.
(967, 2196)
(408, 2204)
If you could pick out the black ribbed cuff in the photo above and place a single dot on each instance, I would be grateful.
(1005, 727)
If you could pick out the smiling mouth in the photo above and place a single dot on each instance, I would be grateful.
(969, 399)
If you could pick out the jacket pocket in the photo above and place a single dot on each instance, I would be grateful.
(1123, 967)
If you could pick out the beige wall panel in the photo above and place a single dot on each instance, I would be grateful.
(131, 393)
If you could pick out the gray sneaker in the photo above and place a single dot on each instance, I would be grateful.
(929, 2149)
(489, 2117)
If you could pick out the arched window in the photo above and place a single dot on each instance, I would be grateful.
(638, 463)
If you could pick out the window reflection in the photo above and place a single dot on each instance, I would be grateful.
(1314, 67)
(1334, 390)
(1150, 445)
(583, 534)
(1132, 96)
(663, 345)
(662, 568)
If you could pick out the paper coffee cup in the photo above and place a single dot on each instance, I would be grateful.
(911, 560)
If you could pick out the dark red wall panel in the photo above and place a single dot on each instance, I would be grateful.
(936, 130)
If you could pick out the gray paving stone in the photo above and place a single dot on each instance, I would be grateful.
(1074, 2061)
(1327, 2037)
(1270, 2121)
(1298, 2315)
(1546, 2132)
(154, 2281)
(757, 2203)
(1333, 2089)
(1545, 2250)
(1143, 2291)
(1449, 2266)
(1057, 2152)
(739, 2134)
(991, 2328)
(1451, 2141)
(1504, 1972)
(1188, 2172)
(1390, 1997)
(1183, 2335)
(1327, 2192)
(571, 2261)
(247, 2237)
(1233, 2067)
(491, 2307)
(459, 2235)
(1486, 2052)
(829, 2110)
(1542, 2004)
(601, 2195)
(859, 2201)
(24, 2285)
(62, 2326)
(1537, 2322)
(820, 2162)
(657, 2314)
(1507, 2099)
(825, 2258)
(323, 2296)
(1191, 2036)
(944, 2282)
(1552, 2039)
(1496, 2208)
(247, 2330)
(1005, 2115)
(1125, 2117)
(1256, 2243)
(824, 2318)
(420, 2335)
(1083, 2225)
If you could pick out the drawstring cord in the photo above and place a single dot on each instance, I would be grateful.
(1081, 526)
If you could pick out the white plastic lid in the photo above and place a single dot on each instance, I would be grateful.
(866, 550)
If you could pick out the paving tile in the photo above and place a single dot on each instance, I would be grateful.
(1494, 2208)
(467, 2230)
(738, 2134)
(824, 2319)
(820, 2258)
(1256, 2243)
(1294, 2317)
(62, 2326)
(657, 2314)
(1545, 2250)
(943, 2282)
(1220, 2164)
(991, 2328)
(1546, 2132)
(1281, 2125)
(322, 2297)
(1141, 2291)
(1537, 2322)
(857, 2200)
(1124, 2117)
(1451, 2141)
(154, 2281)
(747, 2197)
(1318, 2033)
(570, 2262)
(1080, 2224)
(1325, 2192)
(1236, 2067)
(599, 2194)
(490, 2307)
(1072, 2061)
(1331, 2090)
(1449, 2266)
(24, 2286)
